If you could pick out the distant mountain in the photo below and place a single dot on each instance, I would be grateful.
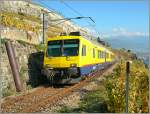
(139, 45)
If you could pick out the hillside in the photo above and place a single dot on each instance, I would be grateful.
(135, 44)
(24, 21)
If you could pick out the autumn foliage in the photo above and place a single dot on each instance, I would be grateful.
(138, 88)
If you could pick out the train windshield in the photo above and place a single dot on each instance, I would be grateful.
(63, 48)
(54, 48)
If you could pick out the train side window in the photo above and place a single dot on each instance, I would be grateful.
(83, 50)
(107, 55)
(101, 56)
(104, 54)
(93, 53)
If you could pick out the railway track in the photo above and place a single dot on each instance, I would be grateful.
(16, 104)
(44, 97)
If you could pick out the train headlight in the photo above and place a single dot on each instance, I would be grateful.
(73, 65)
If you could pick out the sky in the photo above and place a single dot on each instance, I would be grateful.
(113, 18)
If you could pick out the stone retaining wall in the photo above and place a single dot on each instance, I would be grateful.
(22, 8)
(29, 61)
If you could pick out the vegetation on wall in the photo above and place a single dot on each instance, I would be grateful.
(8, 91)
(22, 16)
(17, 21)
(40, 47)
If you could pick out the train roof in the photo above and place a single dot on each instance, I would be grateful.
(85, 36)
(94, 41)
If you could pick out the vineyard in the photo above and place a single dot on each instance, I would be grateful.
(19, 21)
(109, 95)
(25, 22)
(138, 88)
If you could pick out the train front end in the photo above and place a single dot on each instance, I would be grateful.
(61, 59)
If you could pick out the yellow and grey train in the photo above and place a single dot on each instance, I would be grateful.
(68, 58)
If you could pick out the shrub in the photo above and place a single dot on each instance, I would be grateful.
(138, 88)
(65, 109)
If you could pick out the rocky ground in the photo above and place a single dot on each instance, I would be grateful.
(44, 96)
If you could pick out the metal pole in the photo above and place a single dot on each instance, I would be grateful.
(0, 70)
(43, 29)
(17, 66)
(13, 64)
(105, 55)
(127, 84)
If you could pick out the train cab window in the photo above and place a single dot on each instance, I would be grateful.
(54, 48)
(59, 48)
(83, 50)
(93, 53)
(71, 47)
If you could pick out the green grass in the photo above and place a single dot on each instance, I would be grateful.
(29, 87)
(93, 102)
(3, 41)
(65, 109)
(40, 47)
(8, 91)
(22, 72)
